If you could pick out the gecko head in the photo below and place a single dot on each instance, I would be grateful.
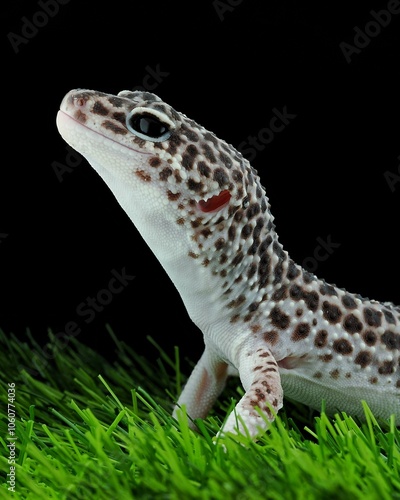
(159, 162)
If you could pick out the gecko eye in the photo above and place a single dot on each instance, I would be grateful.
(147, 126)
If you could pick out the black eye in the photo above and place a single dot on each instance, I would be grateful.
(148, 127)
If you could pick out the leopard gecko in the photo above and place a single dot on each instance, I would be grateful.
(202, 210)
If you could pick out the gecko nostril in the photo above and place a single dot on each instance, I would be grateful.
(79, 102)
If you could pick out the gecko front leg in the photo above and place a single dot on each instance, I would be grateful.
(203, 387)
(261, 380)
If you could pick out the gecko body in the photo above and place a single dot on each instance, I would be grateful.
(201, 208)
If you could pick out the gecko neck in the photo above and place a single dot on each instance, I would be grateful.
(240, 265)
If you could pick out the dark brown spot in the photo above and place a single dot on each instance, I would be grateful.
(252, 271)
(177, 176)
(300, 332)
(278, 272)
(321, 339)
(220, 177)
(235, 318)
(349, 302)
(208, 153)
(189, 133)
(246, 231)
(335, 374)
(342, 346)
(271, 337)
(237, 259)
(373, 380)
(180, 221)
(280, 294)
(293, 270)
(189, 156)
(238, 215)
(253, 306)
(391, 340)
(194, 186)
(115, 101)
(389, 317)
(253, 210)
(193, 255)
(223, 258)
(279, 318)
(295, 292)
(352, 324)
(154, 162)
(144, 176)
(369, 337)
(372, 317)
(119, 116)
(205, 232)
(226, 160)
(363, 358)
(326, 289)
(196, 223)
(237, 302)
(99, 109)
(331, 312)
(80, 117)
(203, 169)
(311, 299)
(308, 277)
(165, 173)
(326, 358)
(386, 368)
(299, 312)
(317, 375)
(173, 196)
(109, 125)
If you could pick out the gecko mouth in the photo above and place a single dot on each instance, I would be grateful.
(66, 122)
(215, 203)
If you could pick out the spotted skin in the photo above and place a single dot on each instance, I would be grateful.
(201, 208)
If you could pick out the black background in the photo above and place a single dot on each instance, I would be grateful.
(227, 69)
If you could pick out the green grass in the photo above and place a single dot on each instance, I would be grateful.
(88, 429)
